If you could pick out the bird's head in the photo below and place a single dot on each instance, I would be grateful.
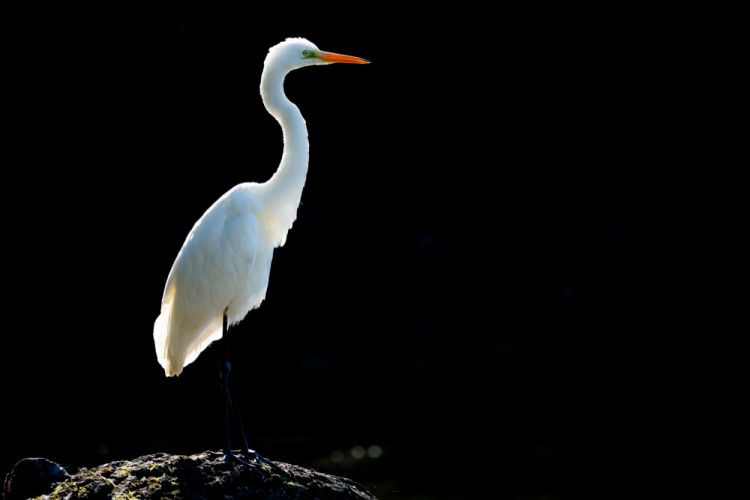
(295, 53)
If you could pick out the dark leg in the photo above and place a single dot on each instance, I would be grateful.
(223, 373)
(232, 397)
(230, 404)
(232, 408)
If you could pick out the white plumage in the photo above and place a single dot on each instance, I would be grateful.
(225, 262)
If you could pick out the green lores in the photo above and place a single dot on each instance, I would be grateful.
(310, 54)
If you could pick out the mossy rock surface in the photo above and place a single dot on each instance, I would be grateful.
(202, 476)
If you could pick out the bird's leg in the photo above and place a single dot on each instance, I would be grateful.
(235, 407)
(223, 374)
(231, 406)
(228, 393)
(246, 451)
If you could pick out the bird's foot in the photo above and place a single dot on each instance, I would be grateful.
(252, 457)
(258, 458)
(230, 456)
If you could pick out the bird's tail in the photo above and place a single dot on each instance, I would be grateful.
(160, 342)
(179, 342)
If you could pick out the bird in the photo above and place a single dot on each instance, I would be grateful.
(222, 270)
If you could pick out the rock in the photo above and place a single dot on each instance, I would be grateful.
(202, 476)
(31, 477)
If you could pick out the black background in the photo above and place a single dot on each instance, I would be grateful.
(480, 280)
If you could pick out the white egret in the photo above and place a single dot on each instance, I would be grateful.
(221, 272)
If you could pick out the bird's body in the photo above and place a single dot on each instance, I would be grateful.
(232, 241)
(221, 272)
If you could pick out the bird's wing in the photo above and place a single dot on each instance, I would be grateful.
(210, 272)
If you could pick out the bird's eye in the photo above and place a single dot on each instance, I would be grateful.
(307, 54)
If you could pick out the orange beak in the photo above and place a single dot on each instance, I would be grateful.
(332, 57)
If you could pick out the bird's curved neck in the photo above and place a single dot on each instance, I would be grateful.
(293, 166)
(287, 182)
